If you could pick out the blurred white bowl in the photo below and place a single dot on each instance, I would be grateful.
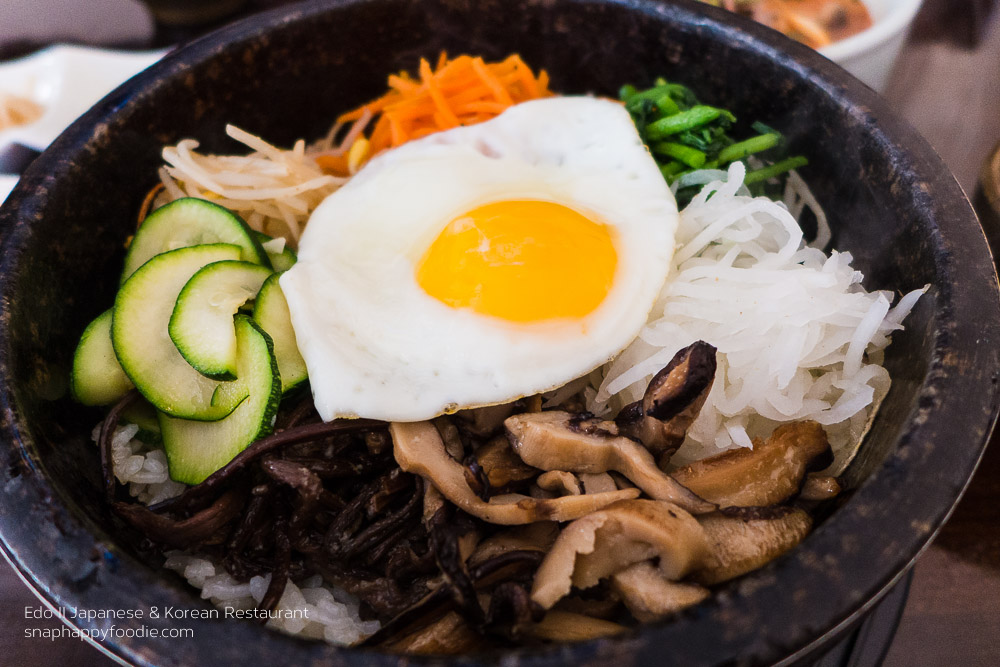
(870, 54)
(65, 81)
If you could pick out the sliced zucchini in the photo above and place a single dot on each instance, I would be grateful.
(142, 413)
(197, 449)
(142, 343)
(201, 325)
(187, 222)
(270, 310)
(281, 260)
(97, 377)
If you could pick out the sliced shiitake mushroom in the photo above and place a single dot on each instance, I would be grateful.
(597, 482)
(672, 401)
(452, 438)
(502, 467)
(819, 487)
(449, 635)
(537, 537)
(743, 539)
(419, 449)
(558, 440)
(650, 596)
(486, 421)
(768, 474)
(564, 626)
(560, 482)
(610, 540)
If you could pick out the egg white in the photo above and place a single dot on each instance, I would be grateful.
(376, 345)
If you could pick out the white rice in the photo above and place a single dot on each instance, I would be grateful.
(798, 337)
(142, 467)
(314, 610)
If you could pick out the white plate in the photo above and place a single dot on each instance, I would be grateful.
(66, 81)
(7, 184)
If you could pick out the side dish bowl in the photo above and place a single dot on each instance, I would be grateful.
(284, 75)
(870, 54)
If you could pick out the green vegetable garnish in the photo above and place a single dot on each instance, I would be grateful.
(685, 135)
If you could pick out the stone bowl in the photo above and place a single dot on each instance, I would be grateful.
(284, 75)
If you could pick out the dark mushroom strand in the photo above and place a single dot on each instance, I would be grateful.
(671, 402)
(501, 525)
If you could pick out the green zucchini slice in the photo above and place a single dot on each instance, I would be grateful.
(97, 378)
(270, 311)
(201, 325)
(280, 261)
(142, 342)
(187, 222)
(197, 449)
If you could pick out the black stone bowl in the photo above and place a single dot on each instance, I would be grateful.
(285, 75)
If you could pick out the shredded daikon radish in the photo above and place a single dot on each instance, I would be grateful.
(798, 337)
(275, 190)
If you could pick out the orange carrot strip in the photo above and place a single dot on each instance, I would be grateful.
(374, 106)
(447, 118)
(423, 132)
(478, 94)
(458, 83)
(527, 79)
(403, 85)
(442, 61)
(411, 108)
(499, 92)
(147, 203)
(396, 130)
(481, 107)
(380, 136)
(334, 164)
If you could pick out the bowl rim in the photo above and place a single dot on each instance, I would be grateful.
(110, 575)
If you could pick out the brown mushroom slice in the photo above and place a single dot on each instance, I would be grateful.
(597, 602)
(501, 465)
(819, 487)
(768, 474)
(597, 482)
(419, 449)
(672, 401)
(560, 482)
(564, 626)
(484, 422)
(612, 539)
(558, 440)
(650, 596)
(537, 537)
(452, 438)
(743, 539)
(449, 635)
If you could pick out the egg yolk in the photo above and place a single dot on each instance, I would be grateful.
(522, 261)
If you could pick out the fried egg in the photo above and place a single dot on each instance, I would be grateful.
(482, 264)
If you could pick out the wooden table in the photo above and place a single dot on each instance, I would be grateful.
(951, 93)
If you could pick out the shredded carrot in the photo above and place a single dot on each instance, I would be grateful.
(147, 203)
(457, 91)
(333, 164)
